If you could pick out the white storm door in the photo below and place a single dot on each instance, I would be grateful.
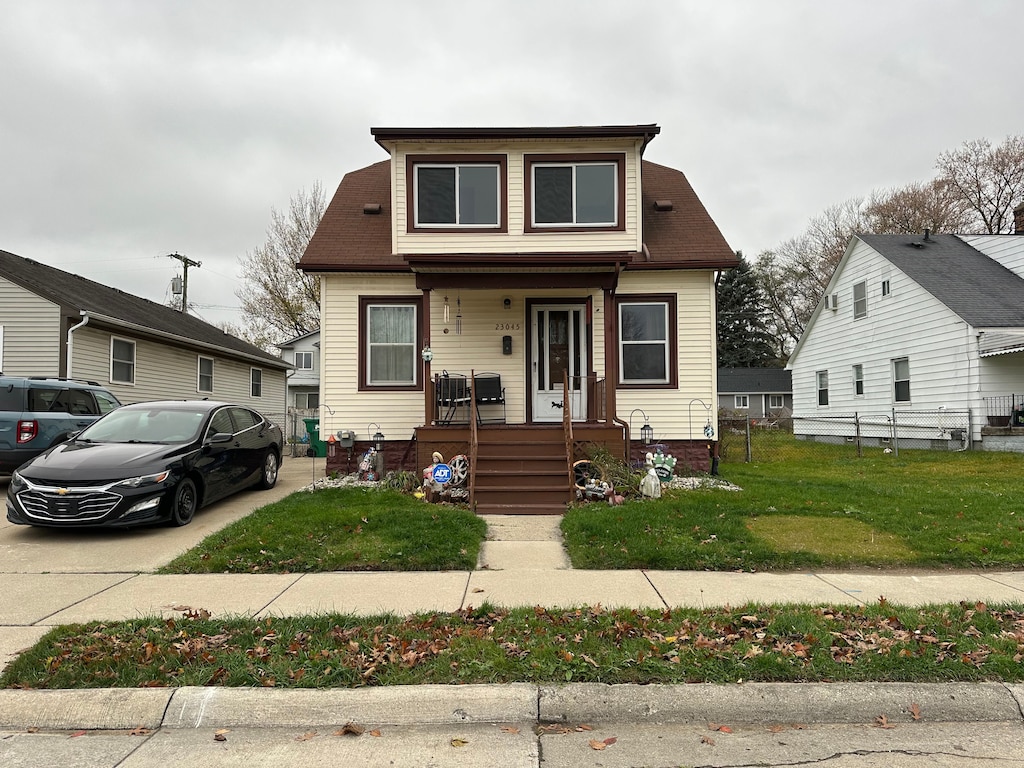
(559, 347)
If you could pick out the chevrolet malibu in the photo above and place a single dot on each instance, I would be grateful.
(147, 463)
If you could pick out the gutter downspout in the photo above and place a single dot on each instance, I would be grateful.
(70, 344)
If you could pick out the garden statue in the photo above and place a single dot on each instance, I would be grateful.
(650, 485)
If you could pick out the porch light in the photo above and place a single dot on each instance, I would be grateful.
(646, 431)
(378, 436)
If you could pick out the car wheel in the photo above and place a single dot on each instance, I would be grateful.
(268, 478)
(185, 502)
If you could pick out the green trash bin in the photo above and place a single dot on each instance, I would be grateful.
(313, 430)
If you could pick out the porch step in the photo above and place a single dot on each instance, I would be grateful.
(521, 472)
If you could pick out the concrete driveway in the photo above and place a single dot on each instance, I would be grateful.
(27, 550)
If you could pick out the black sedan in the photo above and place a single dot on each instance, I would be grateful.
(147, 463)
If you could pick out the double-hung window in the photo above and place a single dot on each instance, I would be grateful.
(741, 401)
(256, 382)
(901, 380)
(304, 361)
(647, 341)
(205, 375)
(775, 402)
(822, 381)
(457, 192)
(860, 300)
(391, 339)
(858, 380)
(122, 361)
(575, 192)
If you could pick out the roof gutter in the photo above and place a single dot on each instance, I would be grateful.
(71, 342)
(183, 340)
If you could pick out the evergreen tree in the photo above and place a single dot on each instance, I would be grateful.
(743, 338)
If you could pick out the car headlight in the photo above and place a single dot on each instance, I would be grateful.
(137, 482)
(17, 482)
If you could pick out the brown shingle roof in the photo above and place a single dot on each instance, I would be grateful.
(349, 240)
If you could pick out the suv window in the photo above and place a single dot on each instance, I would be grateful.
(43, 399)
(105, 401)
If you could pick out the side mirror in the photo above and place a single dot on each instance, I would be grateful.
(221, 437)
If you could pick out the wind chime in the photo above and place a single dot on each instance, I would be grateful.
(458, 316)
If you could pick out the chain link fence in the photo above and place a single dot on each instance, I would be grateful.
(857, 434)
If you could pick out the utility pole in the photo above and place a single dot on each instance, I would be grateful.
(186, 263)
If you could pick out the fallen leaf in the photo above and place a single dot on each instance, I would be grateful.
(595, 744)
(76, 734)
(915, 711)
(140, 731)
(720, 728)
(883, 722)
(459, 742)
(477, 589)
(306, 736)
(707, 740)
(350, 729)
(584, 727)
(221, 735)
(610, 740)
(509, 729)
(375, 733)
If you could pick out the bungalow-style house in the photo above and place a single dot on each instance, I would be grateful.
(54, 323)
(756, 393)
(919, 324)
(303, 354)
(507, 296)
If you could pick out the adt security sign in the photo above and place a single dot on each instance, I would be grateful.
(442, 474)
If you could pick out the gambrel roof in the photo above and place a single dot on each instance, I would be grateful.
(77, 295)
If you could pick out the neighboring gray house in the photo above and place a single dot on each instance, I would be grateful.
(54, 323)
(303, 353)
(756, 392)
(919, 324)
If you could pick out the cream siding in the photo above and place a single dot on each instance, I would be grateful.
(516, 240)
(32, 341)
(342, 405)
(679, 414)
(908, 323)
(163, 371)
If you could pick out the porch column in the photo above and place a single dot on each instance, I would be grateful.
(428, 384)
(611, 356)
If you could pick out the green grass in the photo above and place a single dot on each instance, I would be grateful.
(340, 529)
(750, 643)
(820, 506)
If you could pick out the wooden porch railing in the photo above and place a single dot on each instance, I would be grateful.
(474, 444)
(570, 442)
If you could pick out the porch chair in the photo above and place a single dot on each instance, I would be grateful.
(487, 391)
(451, 393)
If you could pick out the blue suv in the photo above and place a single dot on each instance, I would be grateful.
(37, 413)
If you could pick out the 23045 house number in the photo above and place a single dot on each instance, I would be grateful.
(506, 326)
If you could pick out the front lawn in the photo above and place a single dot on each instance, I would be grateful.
(749, 643)
(339, 529)
(822, 506)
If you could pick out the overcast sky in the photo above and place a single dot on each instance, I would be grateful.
(136, 128)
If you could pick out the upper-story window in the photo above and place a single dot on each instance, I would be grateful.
(457, 192)
(575, 192)
(860, 299)
(304, 361)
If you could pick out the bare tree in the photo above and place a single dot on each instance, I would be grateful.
(278, 301)
(989, 179)
(921, 205)
(794, 275)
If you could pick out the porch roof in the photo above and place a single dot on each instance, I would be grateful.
(1002, 342)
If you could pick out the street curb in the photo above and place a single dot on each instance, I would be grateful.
(749, 703)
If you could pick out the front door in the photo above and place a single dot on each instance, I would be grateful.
(559, 342)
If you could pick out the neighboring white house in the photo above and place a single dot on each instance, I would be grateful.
(912, 324)
(303, 353)
(54, 323)
(755, 393)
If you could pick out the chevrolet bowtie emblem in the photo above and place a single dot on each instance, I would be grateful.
(62, 491)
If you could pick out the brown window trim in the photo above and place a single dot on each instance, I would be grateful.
(364, 302)
(673, 344)
(411, 161)
(603, 157)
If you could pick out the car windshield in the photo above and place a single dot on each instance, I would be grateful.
(145, 425)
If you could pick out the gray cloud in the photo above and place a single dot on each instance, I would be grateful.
(130, 130)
